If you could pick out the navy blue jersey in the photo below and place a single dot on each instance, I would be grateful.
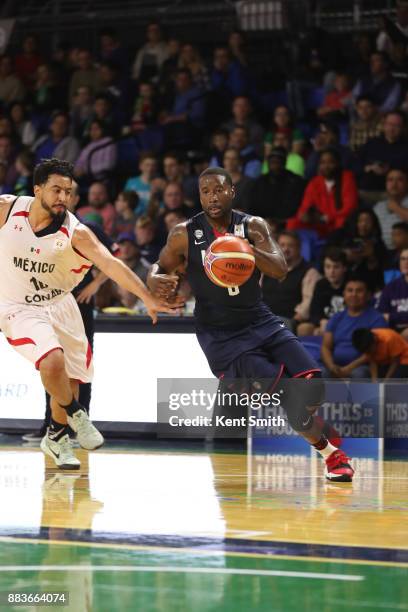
(219, 307)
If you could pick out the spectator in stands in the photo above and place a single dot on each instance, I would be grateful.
(379, 84)
(237, 47)
(186, 116)
(168, 70)
(394, 299)
(25, 168)
(27, 62)
(125, 205)
(81, 112)
(328, 293)
(379, 155)
(283, 124)
(4, 187)
(399, 240)
(242, 184)
(145, 230)
(329, 198)
(58, 144)
(112, 51)
(395, 207)
(385, 352)
(142, 184)
(174, 171)
(47, 95)
(242, 117)
(328, 136)
(365, 249)
(278, 194)
(86, 75)
(335, 103)
(98, 158)
(190, 60)
(251, 164)
(290, 298)
(23, 127)
(172, 218)
(172, 200)
(368, 122)
(11, 88)
(294, 162)
(151, 56)
(98, 202)
(145, 108)
(219, 144)
(110, 85)
(228, 76)
(8, 157)
(337, 348)
(103, 111)
(130, 254)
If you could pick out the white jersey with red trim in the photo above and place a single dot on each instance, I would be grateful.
(34, 269)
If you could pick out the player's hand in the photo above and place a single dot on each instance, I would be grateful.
(336, 371)
(87, 293)
(163, 285)
(155, 305)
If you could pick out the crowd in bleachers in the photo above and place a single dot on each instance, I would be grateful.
(324, 159)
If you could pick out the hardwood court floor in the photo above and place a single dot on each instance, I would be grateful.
(173, 530)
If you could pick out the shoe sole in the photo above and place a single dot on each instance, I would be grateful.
(341, 478)
(63, 466)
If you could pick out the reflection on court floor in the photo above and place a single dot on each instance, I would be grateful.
(175, 530)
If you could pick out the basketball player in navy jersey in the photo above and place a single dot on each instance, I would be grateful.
(239, 335)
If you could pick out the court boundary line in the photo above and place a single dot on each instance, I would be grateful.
(208, 553)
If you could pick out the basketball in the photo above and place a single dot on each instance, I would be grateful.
(229, 261)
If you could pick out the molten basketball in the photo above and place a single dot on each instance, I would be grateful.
(229, 261)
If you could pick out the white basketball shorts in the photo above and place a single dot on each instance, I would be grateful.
(36, 331)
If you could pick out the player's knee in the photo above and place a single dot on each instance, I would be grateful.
(299, 418)
(303, 398)
(53, 364)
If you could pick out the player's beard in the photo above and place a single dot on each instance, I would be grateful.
(54, 215)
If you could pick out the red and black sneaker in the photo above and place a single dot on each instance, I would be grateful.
(329, 431)
(338, 468)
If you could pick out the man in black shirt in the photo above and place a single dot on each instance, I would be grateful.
(328, 293)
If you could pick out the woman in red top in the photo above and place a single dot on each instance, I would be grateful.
(329, 198)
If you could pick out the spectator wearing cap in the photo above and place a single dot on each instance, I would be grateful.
(379, 84)
(327, 136)
(329, 198)
(278, 194)
(129, 253)
(379, 155)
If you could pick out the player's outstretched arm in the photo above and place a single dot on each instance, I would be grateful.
(85, 241)
(161, 279)
(268, 255)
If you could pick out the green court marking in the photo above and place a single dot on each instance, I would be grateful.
(155, 581)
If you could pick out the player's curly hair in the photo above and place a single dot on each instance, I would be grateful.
(46, 167)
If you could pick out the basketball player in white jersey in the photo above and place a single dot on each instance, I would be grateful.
(44, 253)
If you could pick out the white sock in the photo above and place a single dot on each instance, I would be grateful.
(327, 450)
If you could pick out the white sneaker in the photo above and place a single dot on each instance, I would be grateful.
(87, 434)
(61, 452)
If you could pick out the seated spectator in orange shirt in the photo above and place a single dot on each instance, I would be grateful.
(384, 350)
(329, 198)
